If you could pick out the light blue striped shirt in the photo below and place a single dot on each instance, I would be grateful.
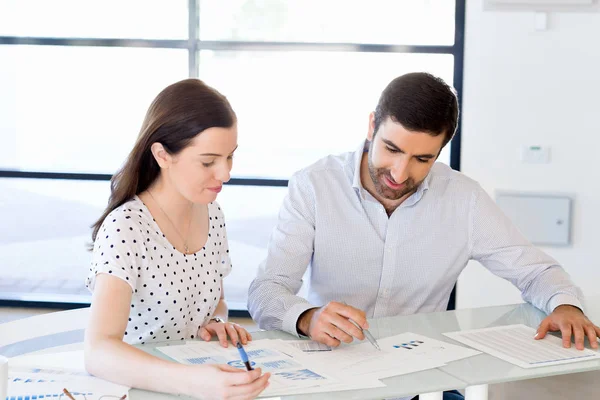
(405, 264)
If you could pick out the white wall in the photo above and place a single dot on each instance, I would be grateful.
(528, 87)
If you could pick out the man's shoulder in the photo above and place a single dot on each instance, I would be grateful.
(333, 166)
(442, 176)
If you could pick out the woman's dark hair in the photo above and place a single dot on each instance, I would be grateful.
(179, 113)
(420, 102)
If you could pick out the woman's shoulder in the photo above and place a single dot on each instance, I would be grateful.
(215, 211)
(130, 218)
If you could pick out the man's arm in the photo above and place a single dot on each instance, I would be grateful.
(497, 244)
(272, 299)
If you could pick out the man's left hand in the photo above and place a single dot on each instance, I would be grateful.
(570, 320)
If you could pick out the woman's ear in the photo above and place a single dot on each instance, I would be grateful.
(162, 157)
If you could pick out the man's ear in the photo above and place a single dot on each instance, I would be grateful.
(371, 130)
(162, 157)
(441, 148)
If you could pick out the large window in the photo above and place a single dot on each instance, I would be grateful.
(77, 77)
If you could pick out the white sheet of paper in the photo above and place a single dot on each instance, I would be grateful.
(345, 381)
(384, 364)
(424, 347)
(345, 356)
(68, 360)
(390, 366)
(308, 346)
(400, 354)
(353, 383)
(516, 344)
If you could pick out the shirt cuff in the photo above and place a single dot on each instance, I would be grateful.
(290, 318)
(564, 299)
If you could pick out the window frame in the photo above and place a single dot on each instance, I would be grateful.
(194, 45)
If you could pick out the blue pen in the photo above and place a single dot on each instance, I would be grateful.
(244, 356)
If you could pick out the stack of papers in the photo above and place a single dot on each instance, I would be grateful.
(516, 344)
(291, 369)
(308, 367)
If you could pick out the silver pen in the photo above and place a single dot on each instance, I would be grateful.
(366, 332)
(371, 339)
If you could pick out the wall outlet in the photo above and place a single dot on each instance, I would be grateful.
(535, 154)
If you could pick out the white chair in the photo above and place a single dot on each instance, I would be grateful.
(43, 325)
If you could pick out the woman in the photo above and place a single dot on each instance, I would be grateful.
(160, 251)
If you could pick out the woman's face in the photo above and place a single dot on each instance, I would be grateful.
(199, 171)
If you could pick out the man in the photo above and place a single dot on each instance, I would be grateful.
(387, 230)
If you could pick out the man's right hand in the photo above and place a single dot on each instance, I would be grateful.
(331, 324)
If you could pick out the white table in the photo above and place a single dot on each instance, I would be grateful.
(472, 374)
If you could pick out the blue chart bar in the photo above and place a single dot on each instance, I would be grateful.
(34, 396)
(41, 396)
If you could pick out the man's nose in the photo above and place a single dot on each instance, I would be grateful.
(400, 171)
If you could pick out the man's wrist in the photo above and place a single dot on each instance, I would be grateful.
(303, 323)
(569, 305)
(562, 299)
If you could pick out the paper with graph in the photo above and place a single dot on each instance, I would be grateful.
(288, 366)
(35, 383)
(400, 354)
(516, 344)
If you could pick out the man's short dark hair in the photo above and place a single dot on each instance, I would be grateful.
(420, 102)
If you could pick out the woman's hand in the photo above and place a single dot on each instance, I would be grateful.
(222, 330)
(210, 382)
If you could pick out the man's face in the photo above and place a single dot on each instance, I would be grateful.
(399, 160)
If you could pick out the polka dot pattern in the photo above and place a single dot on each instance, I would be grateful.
(172, 293)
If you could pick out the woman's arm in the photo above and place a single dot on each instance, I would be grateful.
(108, 357)
(222, 311)
(222, 330)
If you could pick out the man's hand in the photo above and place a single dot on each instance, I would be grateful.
(331, 324)
(570, 320)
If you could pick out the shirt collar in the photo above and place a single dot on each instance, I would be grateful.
(358, 154)
(416, 196)
(358, 186)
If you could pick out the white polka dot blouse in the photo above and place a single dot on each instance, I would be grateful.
(173, 294)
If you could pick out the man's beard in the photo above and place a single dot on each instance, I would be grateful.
(377, 175)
